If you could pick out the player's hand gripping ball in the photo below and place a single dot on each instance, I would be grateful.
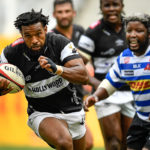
(14, 75)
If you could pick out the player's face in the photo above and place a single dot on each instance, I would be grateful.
(34, 36)
(64, 15)
(111, 10)
(137, 37)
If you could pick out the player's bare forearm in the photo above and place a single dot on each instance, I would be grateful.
(75, 72)
(98, 95)
(94, 82)
(101, 93)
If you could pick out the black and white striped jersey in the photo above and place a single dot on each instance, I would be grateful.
(103, 44)
(45, 91)
(76, 34)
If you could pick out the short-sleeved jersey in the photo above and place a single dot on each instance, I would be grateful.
(103, 44)
(134, 71)
(45, 91)
(77, 32)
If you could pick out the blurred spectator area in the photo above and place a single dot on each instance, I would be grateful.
(10, 9)
(87, 11)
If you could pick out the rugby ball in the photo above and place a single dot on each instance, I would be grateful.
(14, 75)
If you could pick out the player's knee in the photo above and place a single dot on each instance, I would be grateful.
(64, 144)
(89, 145)
(114, 144)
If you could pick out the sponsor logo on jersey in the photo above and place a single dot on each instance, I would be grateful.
(147, 67)
(77, 34)
(126, 60)
(129, 73)
(119, 42)
(136, 66)
(106, 32)
(72, 48)
(110, 52)
(139, 85)
(28, 78)
(57, 83)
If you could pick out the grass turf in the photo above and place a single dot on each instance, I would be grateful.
(35, 148)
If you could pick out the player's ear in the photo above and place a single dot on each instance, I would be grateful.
(54, 14)
(21, 33)
(74, 13)
(45, 28)
(149, 36)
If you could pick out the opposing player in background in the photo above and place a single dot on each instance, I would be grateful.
(50, 64)
(64, 14)
(102, 42)
(132, 67)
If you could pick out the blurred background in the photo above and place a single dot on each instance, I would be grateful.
(87, 11)
(13, 117)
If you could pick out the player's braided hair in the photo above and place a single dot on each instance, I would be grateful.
(57, 2)
(142, 17)
(29, 18)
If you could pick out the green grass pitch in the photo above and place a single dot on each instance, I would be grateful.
(35, 148)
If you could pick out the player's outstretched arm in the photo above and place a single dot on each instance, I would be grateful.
(104, 90)
(98, 95)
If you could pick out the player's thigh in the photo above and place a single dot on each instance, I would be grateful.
(109, 118)
(79, 144)
(88, 135)
(127, 114)
(53, 130)
(111, 126)
(126, 122)
(88, 138)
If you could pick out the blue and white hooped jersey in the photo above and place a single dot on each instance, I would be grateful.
(134, 71)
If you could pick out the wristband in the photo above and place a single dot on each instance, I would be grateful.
(96, 97)
(107, 86)
(56, 69)
(53, 67)
(59, 70)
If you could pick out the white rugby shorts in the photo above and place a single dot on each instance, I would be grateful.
(120, 101)
(75, 121)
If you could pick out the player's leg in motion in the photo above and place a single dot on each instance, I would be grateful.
(111, 130)
(55, 132)
(89, 139)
